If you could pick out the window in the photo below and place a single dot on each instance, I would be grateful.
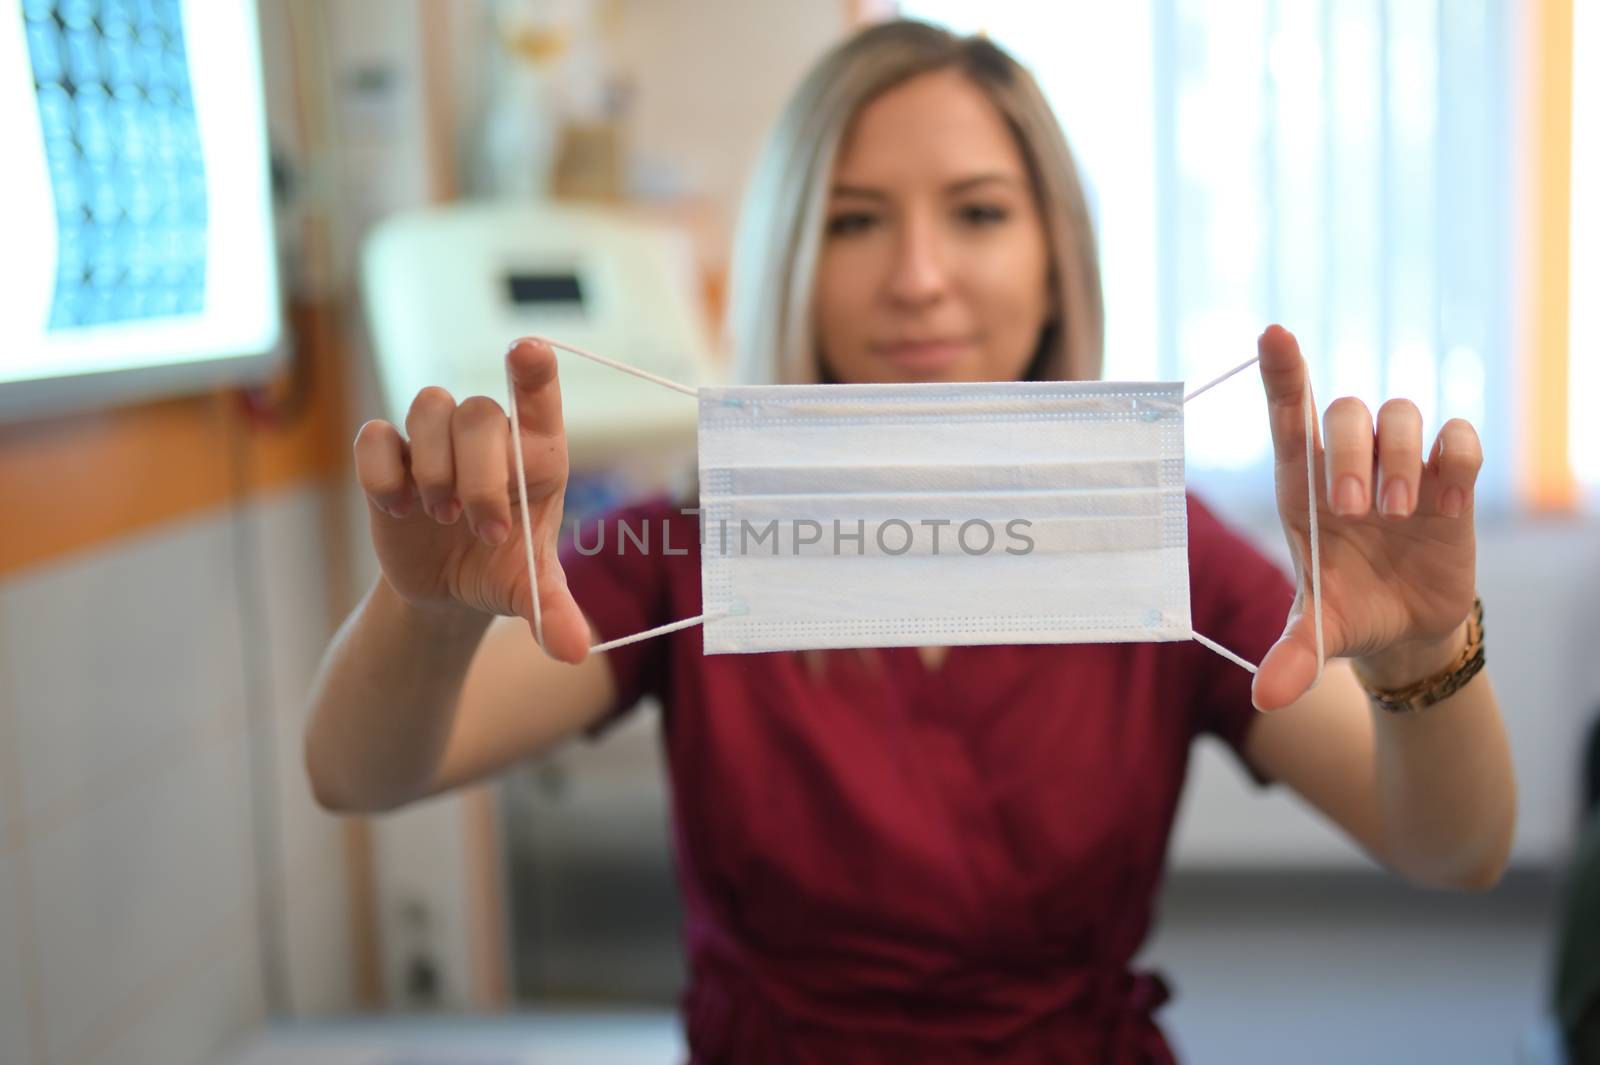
(1340, 167)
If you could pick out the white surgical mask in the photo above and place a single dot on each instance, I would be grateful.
(901, 515)
(880, 515)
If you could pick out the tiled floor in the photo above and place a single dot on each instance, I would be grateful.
(1353, 968)
(632, 1037)
(1309, 969)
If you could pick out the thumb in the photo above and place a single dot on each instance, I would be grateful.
(565, 627)
(566, 630)
(1289, 668)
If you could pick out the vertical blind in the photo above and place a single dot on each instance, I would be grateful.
(1339, 166)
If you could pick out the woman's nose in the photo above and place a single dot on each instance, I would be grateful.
(919, 274)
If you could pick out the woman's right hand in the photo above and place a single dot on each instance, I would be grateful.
(443, 505)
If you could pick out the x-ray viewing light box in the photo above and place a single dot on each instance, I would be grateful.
(135, 202)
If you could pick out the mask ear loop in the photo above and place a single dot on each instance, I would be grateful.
(1308, 404)
(673, 626)
(522, 498)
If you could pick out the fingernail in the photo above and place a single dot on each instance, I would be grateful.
(1452, 501)
(401, 508)
(1349, 497)
(1396, 499)
(1254, 702)
(494, 532)
(449, 511)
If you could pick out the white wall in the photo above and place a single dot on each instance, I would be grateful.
(710, 77)
(129, 879)
(1538, 579)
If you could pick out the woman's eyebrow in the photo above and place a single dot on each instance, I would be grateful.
(968, 183)
(860, 192)
(956, 187)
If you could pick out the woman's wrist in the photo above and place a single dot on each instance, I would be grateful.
(449, 621)
(1407, 663)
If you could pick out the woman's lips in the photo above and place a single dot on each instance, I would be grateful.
(923, 354)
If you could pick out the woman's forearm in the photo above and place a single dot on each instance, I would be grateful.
(383, 701)
(1446, 786)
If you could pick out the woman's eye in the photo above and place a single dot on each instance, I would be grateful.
(843, 225)
(983, 214)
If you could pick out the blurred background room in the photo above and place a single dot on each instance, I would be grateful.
(380, 194)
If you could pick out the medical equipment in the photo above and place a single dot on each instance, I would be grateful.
(447, 288)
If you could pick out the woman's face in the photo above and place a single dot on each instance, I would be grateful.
(934, 265)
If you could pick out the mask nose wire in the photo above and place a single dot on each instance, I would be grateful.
(522, 495)
(1308, 404)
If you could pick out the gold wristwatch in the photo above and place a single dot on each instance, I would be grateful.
(1440, 686)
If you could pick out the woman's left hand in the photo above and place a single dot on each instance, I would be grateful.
(1397, 543)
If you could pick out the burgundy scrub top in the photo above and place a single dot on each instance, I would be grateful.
(889, 863)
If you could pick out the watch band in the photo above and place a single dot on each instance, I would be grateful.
(1440, 686)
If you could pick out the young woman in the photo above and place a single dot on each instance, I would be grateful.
(925, 854)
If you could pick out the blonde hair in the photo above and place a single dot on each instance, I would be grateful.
(781, 226)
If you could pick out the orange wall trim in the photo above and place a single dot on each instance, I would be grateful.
(487, 933)
(366, 937)
(74, 483)
(1551, 485)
